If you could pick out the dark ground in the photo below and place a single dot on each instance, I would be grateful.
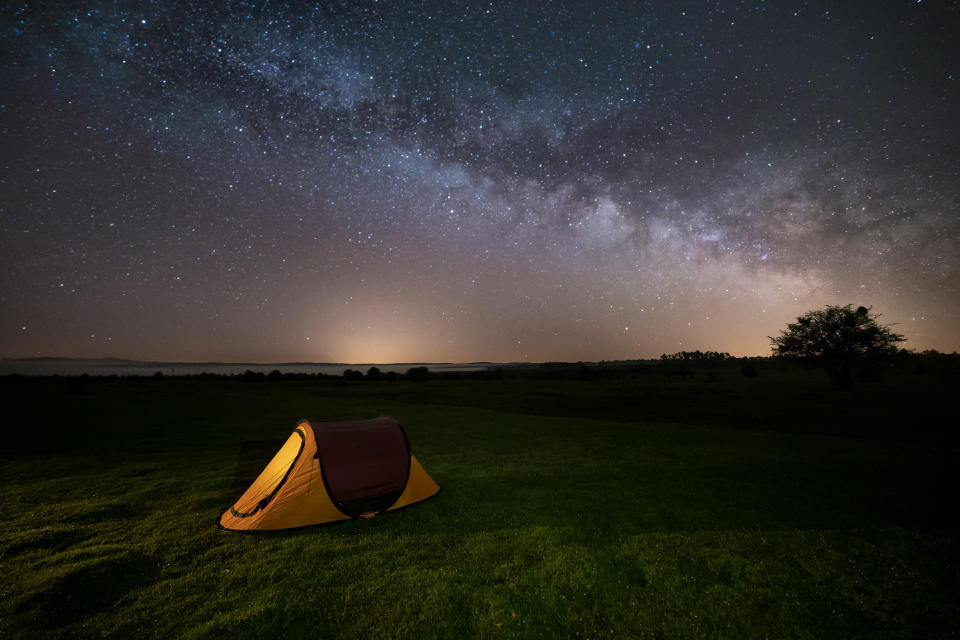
(654, 501)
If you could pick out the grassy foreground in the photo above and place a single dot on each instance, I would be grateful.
(647, 507)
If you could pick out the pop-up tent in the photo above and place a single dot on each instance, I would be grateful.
(331, 471)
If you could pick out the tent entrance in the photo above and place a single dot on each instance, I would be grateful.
(270, 479)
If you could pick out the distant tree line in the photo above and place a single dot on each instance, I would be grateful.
(374, 374)
(697, 356)
(708, 366)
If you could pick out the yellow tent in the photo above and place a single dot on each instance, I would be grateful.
(331, 471)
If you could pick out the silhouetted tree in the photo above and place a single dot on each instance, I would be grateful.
(352, 374)
(373, 373)
(418, 374)
(837, 338)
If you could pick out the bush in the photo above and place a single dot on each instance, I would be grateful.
(749, 371)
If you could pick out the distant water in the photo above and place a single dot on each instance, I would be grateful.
(110, 367)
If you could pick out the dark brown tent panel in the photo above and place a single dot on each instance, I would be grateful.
(365, 464)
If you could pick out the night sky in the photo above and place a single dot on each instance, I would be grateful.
(449, 181)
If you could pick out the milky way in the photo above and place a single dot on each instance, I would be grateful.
(401, 181)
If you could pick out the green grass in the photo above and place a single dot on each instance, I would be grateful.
(649, 507)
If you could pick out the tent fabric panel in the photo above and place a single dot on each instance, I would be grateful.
(233, 523)
(269, 480)
(304, 499)
(253, 522)
(307, 502)
(304, 502)
(301, 501)
(365, 463)
(420, 486)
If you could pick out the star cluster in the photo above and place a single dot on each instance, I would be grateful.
(452, 181)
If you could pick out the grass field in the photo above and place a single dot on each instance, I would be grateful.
(645, 506)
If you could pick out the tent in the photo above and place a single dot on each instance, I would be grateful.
(332, 471)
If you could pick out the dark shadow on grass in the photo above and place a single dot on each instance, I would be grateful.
(43, 540)
(90, 589)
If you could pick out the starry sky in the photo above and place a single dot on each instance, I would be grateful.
(457, 181)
